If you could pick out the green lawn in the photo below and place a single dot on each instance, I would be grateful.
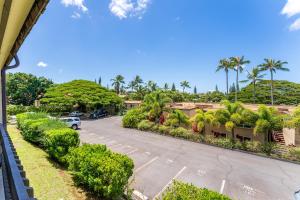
(48, 180)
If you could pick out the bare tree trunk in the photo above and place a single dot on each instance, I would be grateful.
(227, 83)
(272, 97)
(254, 92)
(237, 84)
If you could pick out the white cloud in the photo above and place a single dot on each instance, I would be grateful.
(126, 8)
(42, 64)
(295, 26)
(78, 3)
(291, 8)
(75, 15)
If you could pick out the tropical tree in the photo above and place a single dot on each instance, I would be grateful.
(273, 66)
(253, 77)
(23, 89)
(200, 119)
(226, 65)
(230, 116)
(177, 118)
(138, 81)
(155, 104)
(269, 120)
(152, 86)
(238, 65)
(195, 90)
(166, 86)
(185, 84)
(173, 87)
(117, 83)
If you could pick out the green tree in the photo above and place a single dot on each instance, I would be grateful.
(195, 90)
(253, 77)
(117, 82)
(226, 65)
(230, 116)
(100, 81)
(273, 66)
(200, 119)
(81, 95)
(238, 64)
(184, 84)
(268, 121)
(24, 89)
(173, 87)
(177, 118)
(166, 86)
(152, 86)
(137, 82)
(155, 104)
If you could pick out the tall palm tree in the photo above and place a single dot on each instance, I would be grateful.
(152, 86)
(225, 65)
(137, 81)
(253, 76)
(238, 64)
(117, 83)
(272, 66)
(185, 84)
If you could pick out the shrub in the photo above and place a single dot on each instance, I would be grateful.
(184, 133)
(268, 148)
(58, 142)
(27, 116)
(186, 191)
(294, 153)
(164, 129)
(133, 117)
(99, 170)
(145, 125)
(223, 142)
(16, 109)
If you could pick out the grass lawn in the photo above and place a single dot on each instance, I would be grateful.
(49, 181)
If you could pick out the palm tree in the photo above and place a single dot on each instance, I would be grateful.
(272, 66)
(137, 81)
(155, 104)
(252, 77)
(117, 82)
(201, 118)
(152, 86)
(225, 65)
(177, 118)
(238, 64)
(185, 84)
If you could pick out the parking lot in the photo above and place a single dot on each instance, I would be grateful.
(159, 160)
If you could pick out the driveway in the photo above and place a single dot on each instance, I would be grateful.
(159, 160)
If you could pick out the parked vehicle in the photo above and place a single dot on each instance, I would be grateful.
(72, 122)
(75, 114)
(98, 114)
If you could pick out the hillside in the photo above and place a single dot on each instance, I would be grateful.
(285, 92)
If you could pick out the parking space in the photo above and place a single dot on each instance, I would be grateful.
(159, 160)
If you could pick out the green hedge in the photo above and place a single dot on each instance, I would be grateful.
(184, 191)
(51, 134)
(133, 117)
(99, 170)
(59, 141)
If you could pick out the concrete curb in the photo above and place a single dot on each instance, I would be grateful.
(236, 150)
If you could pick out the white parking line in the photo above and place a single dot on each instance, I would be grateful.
(148, 153)
(140, 195)
(145, 165)
(222, 187)
(131, 152)
(115, 145)
(164, 188)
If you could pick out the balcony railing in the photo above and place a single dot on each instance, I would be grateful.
(16, 185)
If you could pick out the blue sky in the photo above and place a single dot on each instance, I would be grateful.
(161, 40)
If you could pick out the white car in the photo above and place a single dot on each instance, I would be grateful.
(72, 122)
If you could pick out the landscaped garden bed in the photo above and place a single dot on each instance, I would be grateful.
(95, 168)
(154, 116)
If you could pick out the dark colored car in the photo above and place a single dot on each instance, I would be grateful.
(98, 114)
(75, 114)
